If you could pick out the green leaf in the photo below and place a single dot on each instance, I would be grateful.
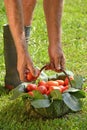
(70, 73)
(40, 103)
(77, 82)
(60, 75)
(55, 94)
(43, 76)
(19, 90)
(72, 102)
(72, 90)
(79, 94)
(38, 95)
(52, 77)
(76, 92)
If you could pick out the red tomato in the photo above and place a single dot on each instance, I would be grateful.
(61, 82)
(31, 93)
(42, 83)
(31, 87)
(64, 87)
(52, 83)
(48, 92)
(42, 89)
(66, 81)
(50, 88)
(30, 77)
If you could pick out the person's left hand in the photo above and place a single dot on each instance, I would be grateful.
(57, 59)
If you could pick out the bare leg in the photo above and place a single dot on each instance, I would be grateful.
(53, 14)
(16, 22)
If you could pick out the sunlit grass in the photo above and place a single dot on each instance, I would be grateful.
(74, 40)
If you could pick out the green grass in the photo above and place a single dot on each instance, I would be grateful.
(13, 114)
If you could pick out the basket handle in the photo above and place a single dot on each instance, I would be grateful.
(61, 70)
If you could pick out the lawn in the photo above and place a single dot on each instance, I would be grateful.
(74, 40)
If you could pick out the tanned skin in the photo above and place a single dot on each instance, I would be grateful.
(19, 14)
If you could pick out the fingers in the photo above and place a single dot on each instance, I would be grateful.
(57, 65)
(33, 70)
(31, 67)
(25, 65)
(60, 63)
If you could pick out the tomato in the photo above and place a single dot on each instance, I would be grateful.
(30, 77)
(66, 81)
(52, 83)
(66, 87)
(42, 89)
(61, 82)
(42, 83)
(57, 88)
(31, 93)
(63, 88)
(31, 87)
(50, 88)
(48, 92)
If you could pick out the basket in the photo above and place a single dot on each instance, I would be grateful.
(55, 106)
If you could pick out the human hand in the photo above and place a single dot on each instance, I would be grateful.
(25, 64)
(57, 59)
